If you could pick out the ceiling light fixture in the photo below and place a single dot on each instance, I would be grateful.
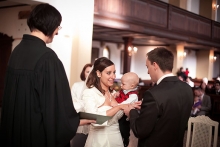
(132, 50)
(215, 6)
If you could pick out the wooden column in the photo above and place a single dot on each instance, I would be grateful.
(127, 58)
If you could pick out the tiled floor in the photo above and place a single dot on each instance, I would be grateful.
(133, 140)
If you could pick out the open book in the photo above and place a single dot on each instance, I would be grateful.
(100, 119)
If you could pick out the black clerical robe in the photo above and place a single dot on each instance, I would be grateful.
(37, 105)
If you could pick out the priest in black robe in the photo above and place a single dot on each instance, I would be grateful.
(37, 105)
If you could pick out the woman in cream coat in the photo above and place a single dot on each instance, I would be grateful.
(98, 99)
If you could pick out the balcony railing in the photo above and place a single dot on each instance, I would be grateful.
(157, 18)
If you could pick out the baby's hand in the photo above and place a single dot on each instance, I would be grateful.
(116, 94)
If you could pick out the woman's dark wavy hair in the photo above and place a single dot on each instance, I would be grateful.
(82, 75)
(44, 18)
(163, 57)
(99, 65)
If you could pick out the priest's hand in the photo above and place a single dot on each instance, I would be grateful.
(86, 122)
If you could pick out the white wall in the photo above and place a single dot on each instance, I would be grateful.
(138, 62)
(202, 64)
(193, 6)
(190, 62)
(216, 67)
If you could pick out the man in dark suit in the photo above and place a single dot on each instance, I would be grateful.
(216, 88)
(166, 107)
(205, 107)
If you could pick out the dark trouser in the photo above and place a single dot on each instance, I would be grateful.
(79, 140)
(124, 126)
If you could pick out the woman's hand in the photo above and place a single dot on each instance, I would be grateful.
(114, 103)
(116, 94)
(86, 122)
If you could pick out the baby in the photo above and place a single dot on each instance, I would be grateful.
(127, 95)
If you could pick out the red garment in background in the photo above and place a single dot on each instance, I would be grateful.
(186, 73)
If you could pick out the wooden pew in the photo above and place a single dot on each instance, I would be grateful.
(215, 111)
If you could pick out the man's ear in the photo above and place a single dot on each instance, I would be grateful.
(155, 66)
(98, 73)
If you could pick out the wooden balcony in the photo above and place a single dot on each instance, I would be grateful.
(154, 19)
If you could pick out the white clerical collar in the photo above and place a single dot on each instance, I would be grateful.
(164, 76)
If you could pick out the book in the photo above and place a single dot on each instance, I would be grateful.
(100, 119)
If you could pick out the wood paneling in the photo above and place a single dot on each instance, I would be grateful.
(216, 31)
(156, 18)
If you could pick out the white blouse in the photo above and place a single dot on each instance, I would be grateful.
(76, 92)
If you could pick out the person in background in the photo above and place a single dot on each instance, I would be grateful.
(97, 98)
(76, 91)
(170, 101)
(189, 81)
(181, 78)
(181, 74)
(196, 106)
(187, 72)
(218, 78)
(204, 86)
(206, 106)
(127, 95)
(78, 87)
(37, 109)
(216, 88)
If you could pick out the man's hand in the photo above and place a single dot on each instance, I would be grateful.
(86, 122)
(135, 105)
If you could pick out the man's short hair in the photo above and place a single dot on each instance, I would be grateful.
(44, 18)
(197, 88)
(163, 57)
(217, 82)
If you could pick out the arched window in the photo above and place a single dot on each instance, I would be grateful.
(106, 52)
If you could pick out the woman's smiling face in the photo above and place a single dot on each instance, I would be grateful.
(107, 77)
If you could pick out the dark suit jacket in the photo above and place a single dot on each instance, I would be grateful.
(206, 105)
(164, 114)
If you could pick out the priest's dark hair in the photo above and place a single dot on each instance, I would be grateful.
(44, 18)
(82, 75)
(99, 65)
